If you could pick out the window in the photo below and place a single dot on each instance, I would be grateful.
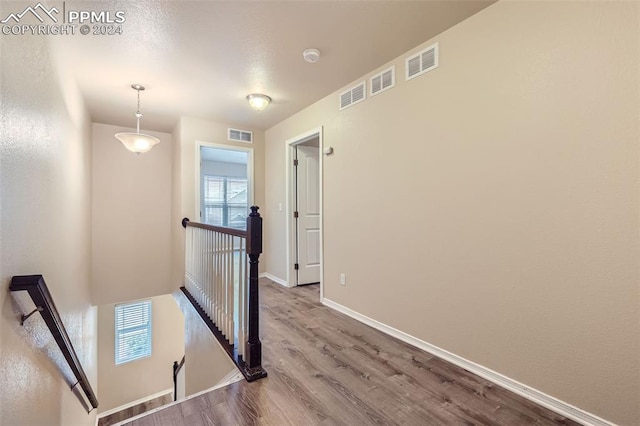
(225, 201)
(133, 331)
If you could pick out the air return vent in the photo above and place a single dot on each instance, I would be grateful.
(353, 96)
(422, 62)
(240, 135)
(383, 81)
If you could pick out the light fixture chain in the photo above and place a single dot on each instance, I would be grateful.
(138, 113)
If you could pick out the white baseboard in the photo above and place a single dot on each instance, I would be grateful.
(136, 402)
(233, 376)
(528, 392)
(274, 279)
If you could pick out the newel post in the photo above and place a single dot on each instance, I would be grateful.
(253, 364)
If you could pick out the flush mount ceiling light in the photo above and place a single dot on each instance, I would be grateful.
(258, 101)
(137, 142)
(311, 55)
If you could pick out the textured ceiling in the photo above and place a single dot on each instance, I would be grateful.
(201, 59)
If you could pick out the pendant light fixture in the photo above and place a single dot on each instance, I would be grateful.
(258, 101)
(137, 142)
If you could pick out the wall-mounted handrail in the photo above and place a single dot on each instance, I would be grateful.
(37, 289)
(221, 282)
(177, 366)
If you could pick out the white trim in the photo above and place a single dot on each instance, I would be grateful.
(250, 165)
(136, 402)
(321, 191)
(289, 144)
(146, 413)
(233, 376)
(273, 278)
(540, 398)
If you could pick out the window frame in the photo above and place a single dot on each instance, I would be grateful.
(197, 164)
(147, 326)
(224, 204)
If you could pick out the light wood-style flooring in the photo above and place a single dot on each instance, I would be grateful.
(328, 369)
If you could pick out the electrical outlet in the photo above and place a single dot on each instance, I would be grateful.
(343, 279)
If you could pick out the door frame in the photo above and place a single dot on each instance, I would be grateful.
(291, 223)
(248, 150)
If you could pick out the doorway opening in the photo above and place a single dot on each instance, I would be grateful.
(304, 209)
(224, 188)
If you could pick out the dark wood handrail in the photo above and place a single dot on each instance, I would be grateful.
(177, 366)
(37, 289)
(222, 230)
(251, 364)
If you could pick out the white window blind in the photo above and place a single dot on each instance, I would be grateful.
(133, 331)
(225, 201)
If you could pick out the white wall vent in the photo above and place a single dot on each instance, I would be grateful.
(240, 135)
(353, 96)
(383, 81)
(422, 62)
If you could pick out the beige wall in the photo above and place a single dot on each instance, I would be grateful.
(187, 133)
(131, 381)
(490, 207)
(45, 213)
(131, 245)
(177, 232)
(206, 362)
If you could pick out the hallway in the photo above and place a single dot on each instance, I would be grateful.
(326, 368)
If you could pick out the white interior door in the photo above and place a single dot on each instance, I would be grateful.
(308, 208)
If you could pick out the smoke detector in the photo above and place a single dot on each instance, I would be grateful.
(311, 55)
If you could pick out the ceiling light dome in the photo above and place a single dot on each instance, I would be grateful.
(311, 55)
(137, 142)
(258, 101)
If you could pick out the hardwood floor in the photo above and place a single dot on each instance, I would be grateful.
(328, 369)
(135, 410)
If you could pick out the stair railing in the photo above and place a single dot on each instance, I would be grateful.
(39, 292)
(177, 366)
(221, 282)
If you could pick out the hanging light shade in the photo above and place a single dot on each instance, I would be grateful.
(137, 142)
(258, 101)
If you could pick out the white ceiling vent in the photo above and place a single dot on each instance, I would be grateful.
(383, 81)
(422, 62)
(240, 135)
(353, 96)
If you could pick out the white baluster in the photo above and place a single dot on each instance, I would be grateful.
(201, 257)
(218, 277)
(225, 272)
(207, 278)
